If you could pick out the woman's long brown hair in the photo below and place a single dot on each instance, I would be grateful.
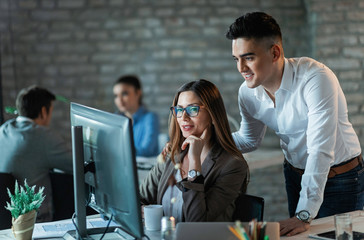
(211, 99)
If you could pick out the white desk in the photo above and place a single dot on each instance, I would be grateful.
(7, 233)
(327, 224)
(317, 226)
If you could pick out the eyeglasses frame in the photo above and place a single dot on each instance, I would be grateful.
(172, 109)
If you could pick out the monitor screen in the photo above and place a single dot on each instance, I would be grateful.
(110, 166)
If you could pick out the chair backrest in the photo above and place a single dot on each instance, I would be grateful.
(248, 207)
(62, 191)
(63, 196)
(6, 181)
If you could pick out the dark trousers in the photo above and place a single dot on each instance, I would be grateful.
(343, 192)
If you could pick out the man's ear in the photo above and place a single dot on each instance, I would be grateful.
(43, 113)
(276, 52)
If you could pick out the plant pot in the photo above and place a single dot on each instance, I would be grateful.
(23, 225)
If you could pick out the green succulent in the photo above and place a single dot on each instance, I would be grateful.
(24, 200)
(11, 110)
(62, 99)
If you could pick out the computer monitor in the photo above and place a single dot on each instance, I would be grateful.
(104, 164)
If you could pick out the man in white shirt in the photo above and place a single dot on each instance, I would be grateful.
(302, 101)
(29, 149)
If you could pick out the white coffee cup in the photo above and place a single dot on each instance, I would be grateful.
(152, 217)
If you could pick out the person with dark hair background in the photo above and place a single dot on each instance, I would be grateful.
(128, 99)
(208, 170)
(302, 101)
(29, 149)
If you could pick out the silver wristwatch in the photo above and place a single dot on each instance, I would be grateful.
(304, 216)
(193, 174)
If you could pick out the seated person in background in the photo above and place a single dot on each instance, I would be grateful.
(29, 149)
(128, 99)
(204, 162)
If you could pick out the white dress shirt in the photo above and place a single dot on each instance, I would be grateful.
(311, 120)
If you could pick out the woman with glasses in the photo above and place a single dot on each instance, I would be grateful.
(204, 172)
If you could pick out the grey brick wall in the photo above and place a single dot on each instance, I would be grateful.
(77, 48)
(338, 40)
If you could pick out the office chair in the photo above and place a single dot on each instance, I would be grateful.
(7, 180)
(63, 196)
(62, 191)
(248, 207)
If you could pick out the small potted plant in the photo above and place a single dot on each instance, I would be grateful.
(23, 206)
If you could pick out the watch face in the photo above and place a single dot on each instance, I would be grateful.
(192, 174)
(304, 215)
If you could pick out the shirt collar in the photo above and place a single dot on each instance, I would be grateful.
(260, 94)
(288, 76)
(286, 84)
(24, 119)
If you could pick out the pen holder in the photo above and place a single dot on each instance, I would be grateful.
(254, 231)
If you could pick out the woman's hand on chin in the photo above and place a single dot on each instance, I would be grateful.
(196, 145)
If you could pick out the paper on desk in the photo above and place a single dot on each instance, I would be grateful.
(7, 236)
(59, 228)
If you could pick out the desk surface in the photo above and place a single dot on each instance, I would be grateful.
(327, 224)
(317, 226)
(7, 233)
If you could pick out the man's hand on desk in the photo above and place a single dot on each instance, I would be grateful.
(292, 226)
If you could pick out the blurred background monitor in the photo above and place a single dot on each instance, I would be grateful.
(103, 148)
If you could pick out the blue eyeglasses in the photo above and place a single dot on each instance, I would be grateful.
(192, 111)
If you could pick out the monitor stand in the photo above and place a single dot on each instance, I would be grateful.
(96, 233)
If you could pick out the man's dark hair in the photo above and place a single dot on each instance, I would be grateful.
(255, 25)
(133, 81)
(30, 101)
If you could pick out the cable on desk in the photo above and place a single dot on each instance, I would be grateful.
(146, 236)
(107, 227)
(73, 221)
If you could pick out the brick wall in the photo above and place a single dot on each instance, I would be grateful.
(77, 48)
(338, 40)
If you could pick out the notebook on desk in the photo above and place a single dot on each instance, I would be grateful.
(217, 230)
(57, 229)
